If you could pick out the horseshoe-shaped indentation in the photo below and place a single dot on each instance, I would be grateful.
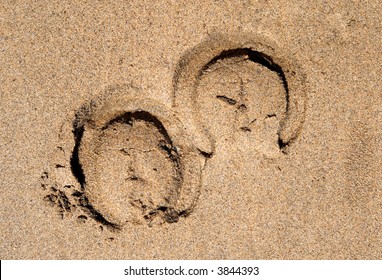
(260, 50)
(138, 162)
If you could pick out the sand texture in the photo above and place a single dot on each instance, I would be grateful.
(180, 130)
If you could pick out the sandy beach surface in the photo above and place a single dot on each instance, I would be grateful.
(191, 129)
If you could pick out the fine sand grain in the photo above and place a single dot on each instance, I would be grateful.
(179, 130)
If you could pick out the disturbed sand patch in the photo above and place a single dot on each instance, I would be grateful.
(131, 161)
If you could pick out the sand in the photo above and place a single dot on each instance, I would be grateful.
(179, 130)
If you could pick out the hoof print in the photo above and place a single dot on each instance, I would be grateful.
(137, 163)
(243, 90)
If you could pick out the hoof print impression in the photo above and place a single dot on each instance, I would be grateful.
(243, 91)
(132, 162)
